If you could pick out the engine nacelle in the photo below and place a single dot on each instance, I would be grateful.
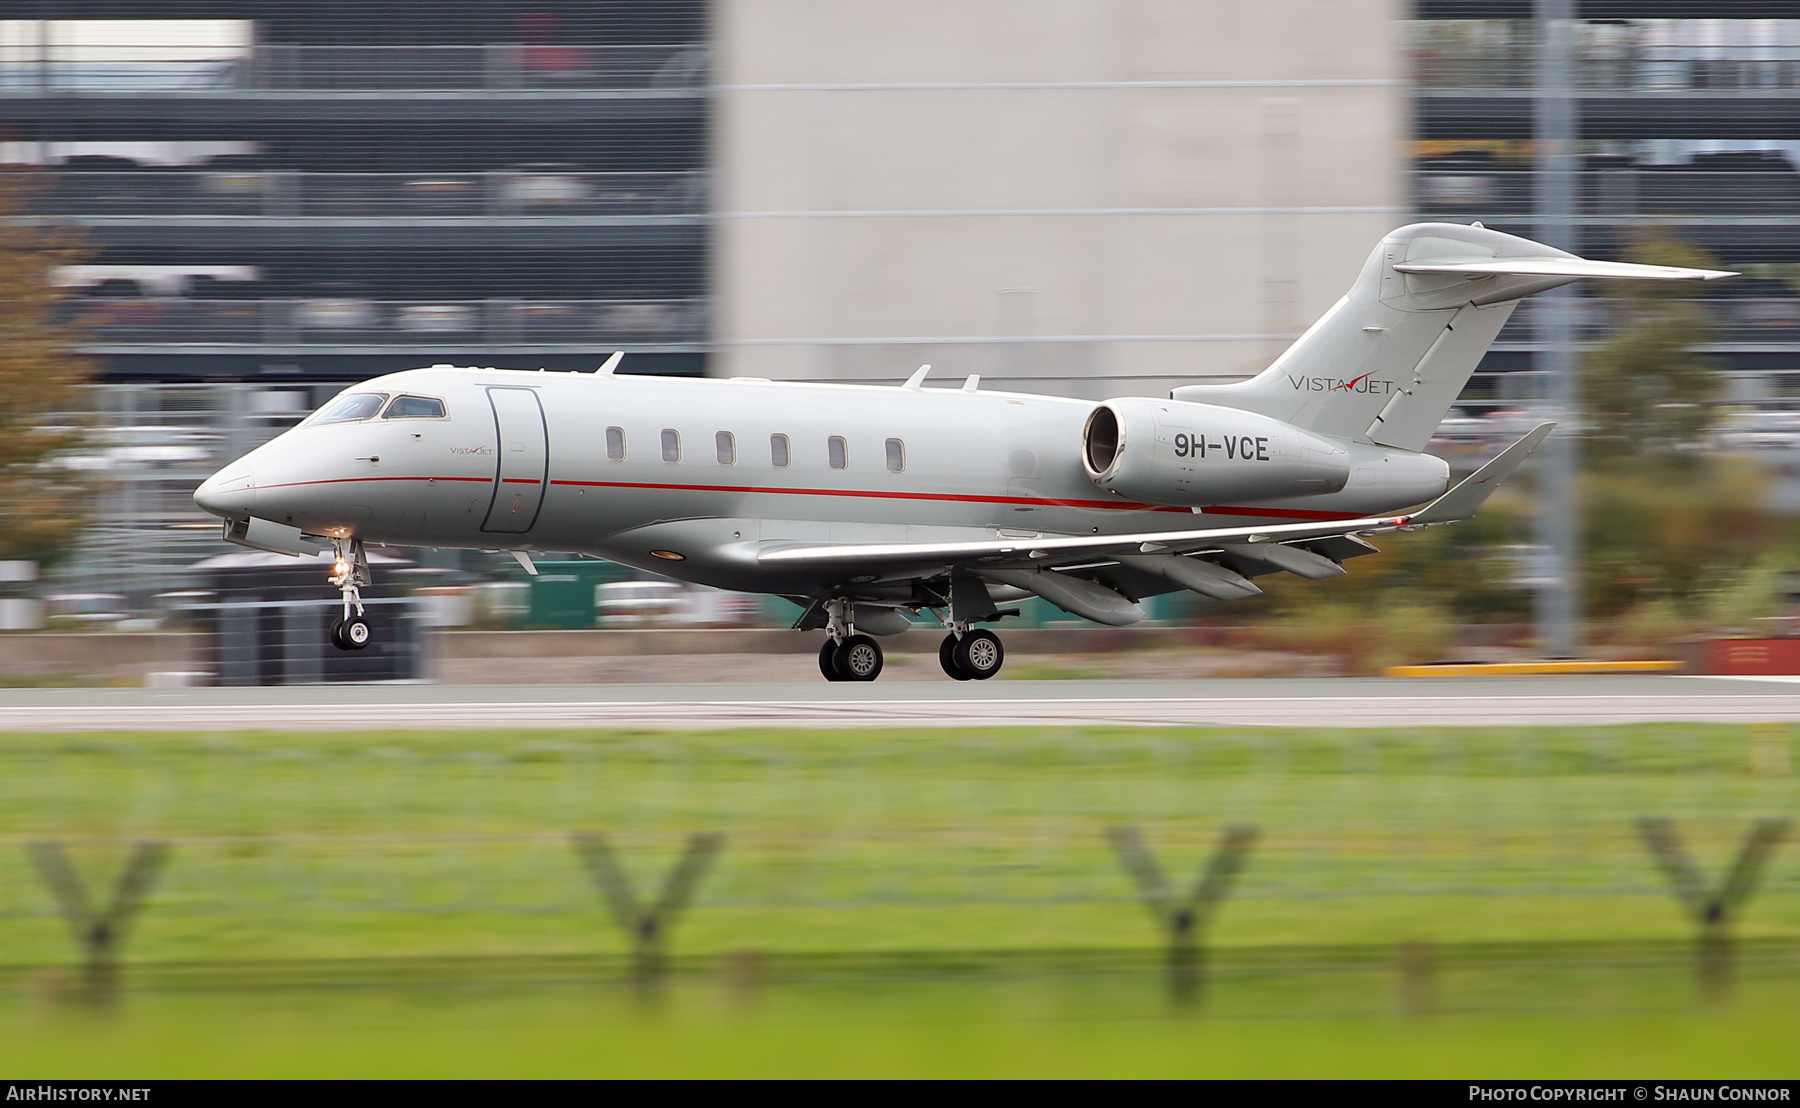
(1175, 453)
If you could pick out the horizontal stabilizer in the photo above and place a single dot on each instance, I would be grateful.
(1553, 266)
(1472, 491)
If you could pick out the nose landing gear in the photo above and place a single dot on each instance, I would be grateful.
(351, 634)
(350, 572)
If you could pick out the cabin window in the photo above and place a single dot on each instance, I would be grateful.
(726, 444)
(414, 407)
(671, 445)
(778, 451)
(896, 456)
(837, 452)
(615, 444)
(351, 407)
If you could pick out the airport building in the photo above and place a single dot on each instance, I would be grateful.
(1683, 124)
(1079, 196)
(283, 198)
(328, 191)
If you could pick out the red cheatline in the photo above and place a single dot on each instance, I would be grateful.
(958, 498)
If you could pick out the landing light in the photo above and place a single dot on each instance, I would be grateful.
(668, 555)
(340, 567)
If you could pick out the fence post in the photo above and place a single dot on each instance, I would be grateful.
(647, 926)
(1712, 912)
(1185, 920)
(100, 935)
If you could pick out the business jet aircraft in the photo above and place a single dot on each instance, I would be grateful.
(862, 503)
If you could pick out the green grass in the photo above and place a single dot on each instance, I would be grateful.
(1007, 1028)
(960, 883)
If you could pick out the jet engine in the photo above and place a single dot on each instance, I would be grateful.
(1175, 453)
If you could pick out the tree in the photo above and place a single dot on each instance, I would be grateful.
(42, 502)
(1645, 392)
(1666, 522)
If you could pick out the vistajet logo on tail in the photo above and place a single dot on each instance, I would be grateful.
(1367, 384)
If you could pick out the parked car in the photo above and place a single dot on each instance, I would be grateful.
(443, 193)
(638, 318)
(437, 319)
(334, 313)
(235, 175)
(639, 603)
(116, 448)
(88, 607)
(543, 185)
(670, 603)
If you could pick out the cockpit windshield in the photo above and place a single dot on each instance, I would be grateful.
(350, 407)
(415, 407)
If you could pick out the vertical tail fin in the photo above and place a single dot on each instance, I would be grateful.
(1388, 360)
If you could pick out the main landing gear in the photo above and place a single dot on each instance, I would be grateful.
(847, 655)
(350, 572)
(975, 656)
(967, 653)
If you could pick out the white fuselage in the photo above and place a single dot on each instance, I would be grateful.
(495, 474)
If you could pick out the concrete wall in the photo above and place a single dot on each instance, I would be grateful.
(1142, 191)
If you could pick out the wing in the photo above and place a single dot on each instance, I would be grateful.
(893, 561)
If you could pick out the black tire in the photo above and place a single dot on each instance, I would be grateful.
(980, 654)
(337, 636)
(828, 661)
(947, 659)
(858, 659)
(358, 633)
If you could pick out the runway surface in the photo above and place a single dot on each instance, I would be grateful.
(1326, 702)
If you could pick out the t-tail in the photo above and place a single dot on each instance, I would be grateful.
(1387, 361)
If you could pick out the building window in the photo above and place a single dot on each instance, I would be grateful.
(837, 451)
(615, 444)
(671, 445)
(896, 456)
(778, 451)
(726, 445)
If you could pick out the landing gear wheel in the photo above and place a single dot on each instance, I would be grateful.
(357, 633)
(858, 659)
(979, 654)
(947, 659)
(828, 661)
(337, 636)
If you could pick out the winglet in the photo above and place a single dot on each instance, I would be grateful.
(611, 363)
(1472, 491)
(917, 380)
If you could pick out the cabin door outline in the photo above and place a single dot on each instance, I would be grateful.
(522, 465)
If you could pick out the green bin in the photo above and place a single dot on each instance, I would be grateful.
(562, 593)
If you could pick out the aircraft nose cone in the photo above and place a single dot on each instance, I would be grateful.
(229, 492)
